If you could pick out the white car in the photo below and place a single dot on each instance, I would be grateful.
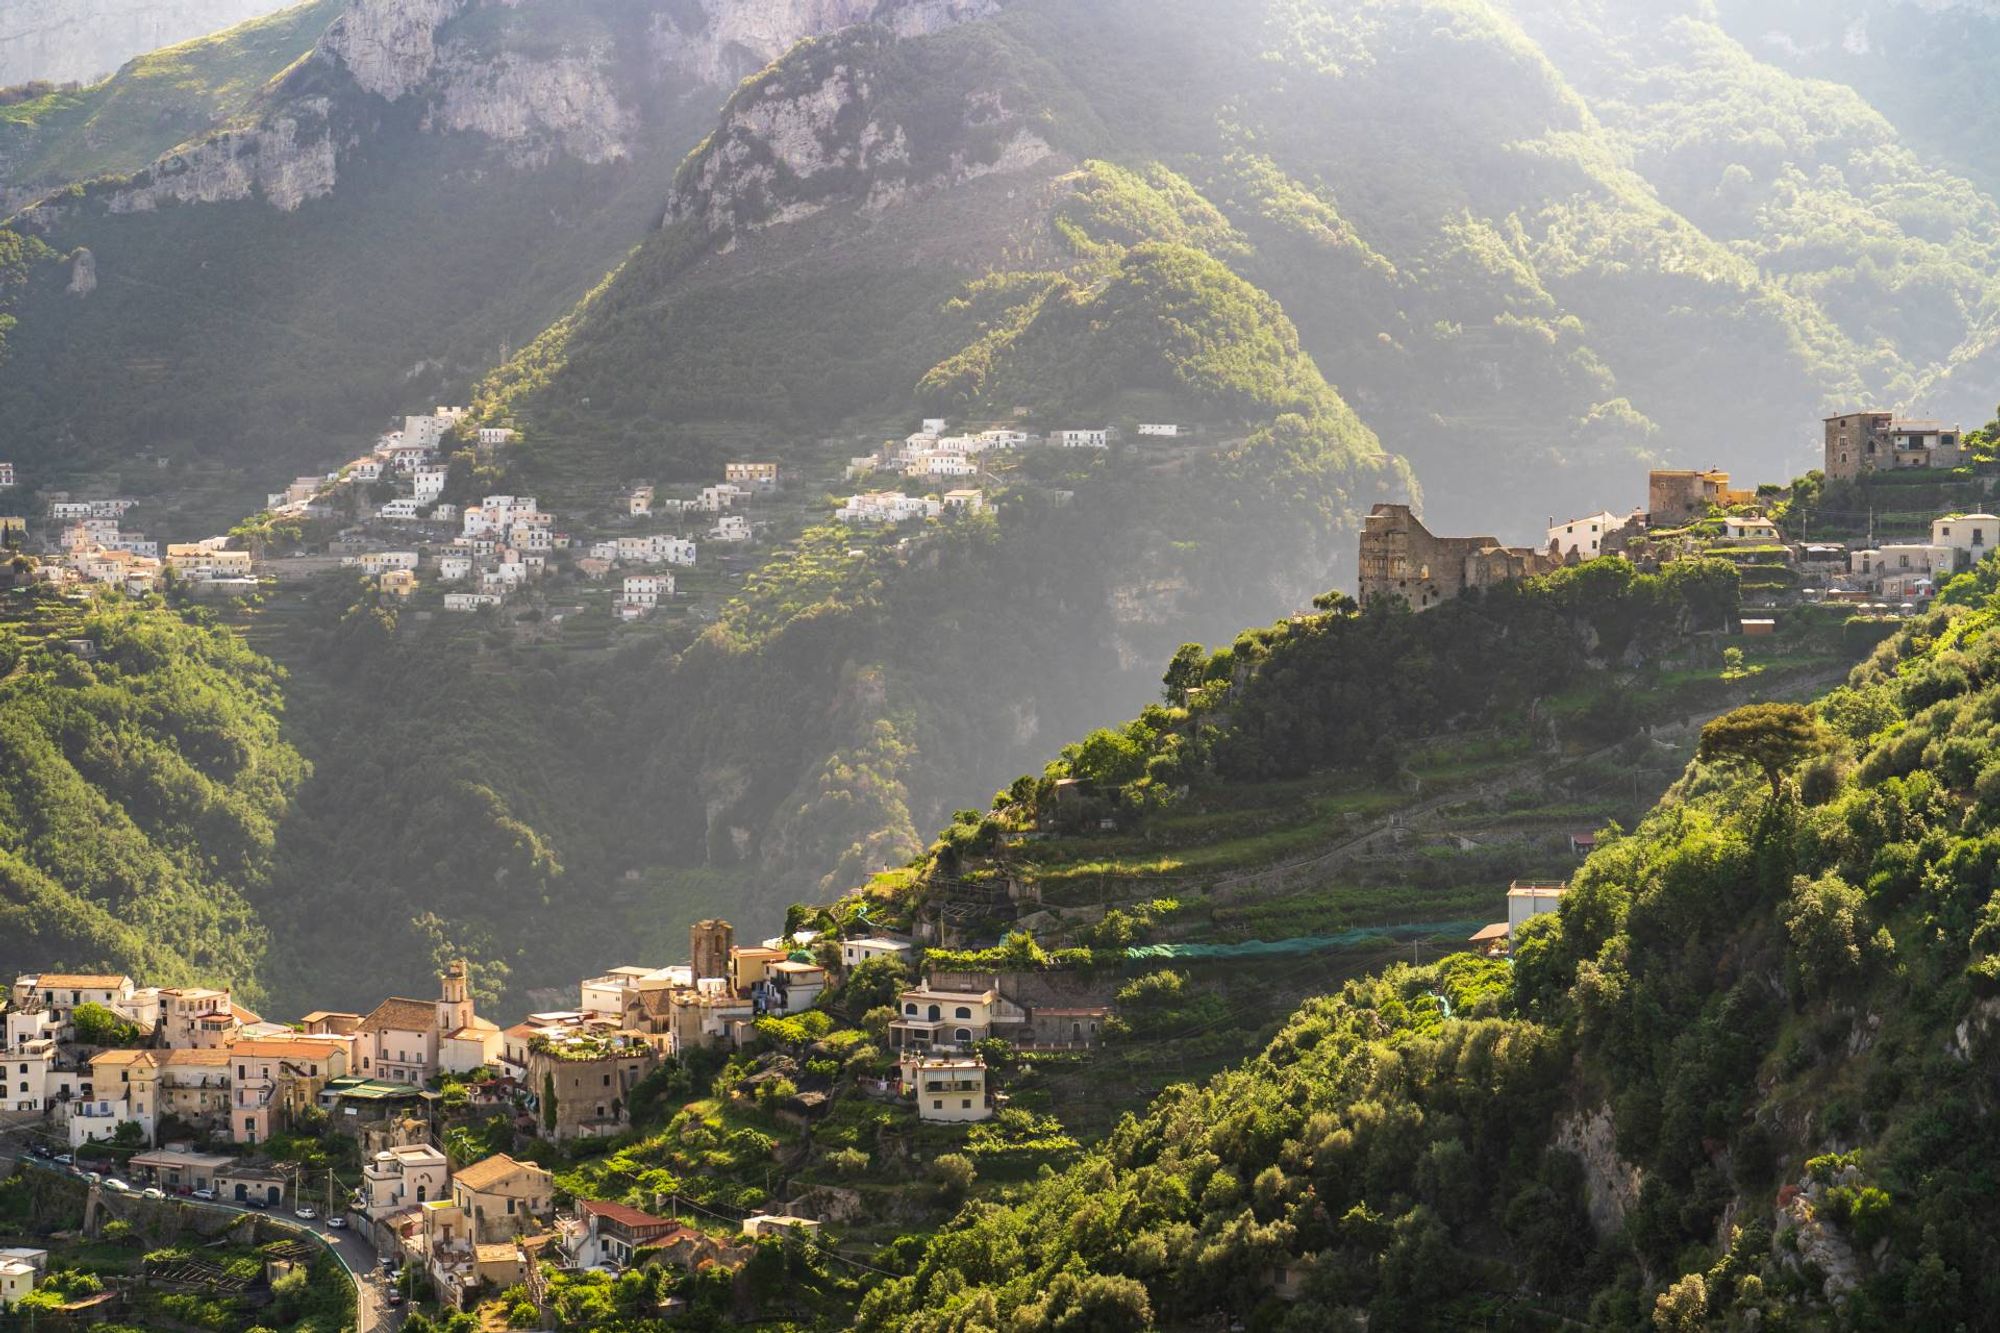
(206, 1196)
(306, 1213)
(336, 1223)
(152, 1192)
(117, 1186)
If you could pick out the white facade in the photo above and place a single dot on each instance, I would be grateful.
(730, 528)
(647, 589)
(853, 953)
(469, 601)
(1531, 900)
(6, 475)
(495, 435)
(884, 507)
(1584, 536)
(378, 562)
(1082, 439)
(454, 568)
(1751, 529)
(402, 510)
(948, 1089)
(968, 502)
(1168, 431)
(429, 483)
(1971, 535)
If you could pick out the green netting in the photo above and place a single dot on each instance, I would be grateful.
(1347, 939)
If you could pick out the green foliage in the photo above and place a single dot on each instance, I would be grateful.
(1770, 737)
(140, 802)
(98, 1026)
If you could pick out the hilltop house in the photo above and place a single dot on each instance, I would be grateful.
(1754, 530)
(1584, 537)
(951, 1089)
(730, 528)
(1167, 431)
(397, 1179)
(582, 1080)
(6, 476)
(751, 476)
(853, 953)
(1525, 901)
(1674, 497)
(1857, 443)
(1970, 536)
(1081, 439)
(928, 1019)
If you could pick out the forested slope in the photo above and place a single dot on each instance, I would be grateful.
(141, 792)
(1737, 1080)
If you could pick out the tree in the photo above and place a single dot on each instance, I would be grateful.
(1771, 737)
(954, 1174)
(1184, 672)
(549, 1102)
(1823, 918)
(98, 1026)
(1683, 1307)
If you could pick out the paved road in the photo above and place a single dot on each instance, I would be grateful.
(356, 1255)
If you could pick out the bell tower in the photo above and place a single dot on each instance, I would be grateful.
(454, 1010)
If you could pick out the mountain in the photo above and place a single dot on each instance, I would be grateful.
(1530, 293)
(422, 185)
(151, 105)
(80, 41)
(1734, 1080)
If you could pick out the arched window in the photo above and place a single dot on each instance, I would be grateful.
(962, 1035)
(910, 1010)
(420, 1192)
(936, 1013)
(963, 1012)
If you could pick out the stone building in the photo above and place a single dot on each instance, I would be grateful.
(1401, 558)
(1679, 496)
(1863, 442)
(711, 943)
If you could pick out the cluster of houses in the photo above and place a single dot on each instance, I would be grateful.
(190, 1062)
(1401, 558)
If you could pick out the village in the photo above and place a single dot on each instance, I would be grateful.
(157, 1093)
(1692, 513)
(391, 516)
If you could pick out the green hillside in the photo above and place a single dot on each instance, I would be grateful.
(1736, 1079)
(141, 795)
(154, 103)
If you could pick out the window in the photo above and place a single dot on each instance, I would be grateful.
(965, 1105)
(937, 1106)
(607, 1080)
(962, 1012)
(962, 1034)
(510, 1208)
(420, 1192)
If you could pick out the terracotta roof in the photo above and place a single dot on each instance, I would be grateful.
(170, 1059)
(623, 1216)
(243, 1015)
(488, 1172)
(1497, 931)
(81, 980)
(321, 1015)
(283, 1048)
(402, 1015)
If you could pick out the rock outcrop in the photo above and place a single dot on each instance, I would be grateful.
(389, 46)
(1610, 1183)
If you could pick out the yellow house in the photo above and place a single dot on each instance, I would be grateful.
(503, 1198)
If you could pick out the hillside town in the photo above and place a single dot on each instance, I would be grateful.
(1700, 513)
(177, 1091)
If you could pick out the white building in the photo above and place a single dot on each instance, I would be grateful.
(1531, 900)
(853, 953)
(404, 1177)
(647, 589)
(1750, 529)
(490, 436)
(1583, 536)
(454, 568)
(20, 1268)
(1082, 439)
(884, 507)
(730, 528)
(365, 469)
(949, 1089)
(1167, 431)
(715, 499)
(379, 562)
(1005, 439)
(1971, 536)
(402, 510)
(469, 601)
(429, 483)
(425, 432)
(966, 502)
(937, 463)
(6, 475)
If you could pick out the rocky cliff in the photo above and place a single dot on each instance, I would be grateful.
(66, 41)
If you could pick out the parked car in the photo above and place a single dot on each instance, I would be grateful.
(336, 1223)
(254, 1202)
(117, 1186)
(63, 1159)
(40, 1150)
(93, 1177)
(395, 1298)
(206, 1196)
(152, 1192)
(305, 1212)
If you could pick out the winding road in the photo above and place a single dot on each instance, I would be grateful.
(356, 1255)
